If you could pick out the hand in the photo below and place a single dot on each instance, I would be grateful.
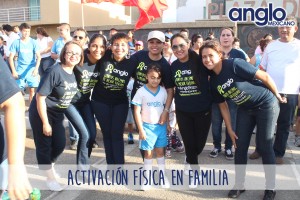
(169, 128)
(47, 129)
(18, 184)
(233, 137)
(15, 75)
(163, 117)
(142, 135)
(35, 72)
(281, 99)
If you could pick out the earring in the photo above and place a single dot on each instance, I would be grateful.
(127, 56)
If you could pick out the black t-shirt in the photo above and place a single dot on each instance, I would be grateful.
(191, 95)
(236, 82)
(140, 60)
(8, 88)
(114, 77)
(86, 76)
(59, 87)
(234, 53)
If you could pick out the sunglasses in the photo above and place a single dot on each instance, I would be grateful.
(167, 40)
(75, 37)
(177, 47)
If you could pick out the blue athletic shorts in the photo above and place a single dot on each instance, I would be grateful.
(156, 136)
(26, 78)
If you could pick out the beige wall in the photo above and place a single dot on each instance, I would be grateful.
(49, 12)
(13, 3)
(92, 16)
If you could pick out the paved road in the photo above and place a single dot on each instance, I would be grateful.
(133, 157)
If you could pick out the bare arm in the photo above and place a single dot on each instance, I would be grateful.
(253, 60)
(18, 184)
(42, 110)
(12, 65)
(268, 81)
(226, 116)
(48, 49)
(54, 56)
(37, 65)
(139, 122)
(164, 115)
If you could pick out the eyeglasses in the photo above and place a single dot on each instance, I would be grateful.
(75, 37)
(177, 47)
(70, 53)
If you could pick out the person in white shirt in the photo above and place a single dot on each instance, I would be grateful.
(12, 36)
(45, 43)
(281, 61)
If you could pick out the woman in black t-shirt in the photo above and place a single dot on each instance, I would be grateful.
(80, 113)
(109, 98)
(237, 80)
(192, 98)
(46, 113)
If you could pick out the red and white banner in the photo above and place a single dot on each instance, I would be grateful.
(149, 9)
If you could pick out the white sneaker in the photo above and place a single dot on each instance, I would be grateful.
(145, 186)
(167, 183)
(193, 185)
(187, 167)
(53, 185)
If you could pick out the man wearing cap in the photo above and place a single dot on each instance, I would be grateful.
(143, 58)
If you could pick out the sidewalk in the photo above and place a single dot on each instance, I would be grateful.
(133, 156)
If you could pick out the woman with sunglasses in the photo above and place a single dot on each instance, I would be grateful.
(192, 99)
(80, 113)
(256, 95)
(46, 113)
(109, 98)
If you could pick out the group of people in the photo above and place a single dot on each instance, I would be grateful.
(210, 81)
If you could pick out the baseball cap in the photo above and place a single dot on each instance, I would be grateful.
(139, 42)
(157, 35)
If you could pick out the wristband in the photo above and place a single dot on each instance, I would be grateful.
(166, 110)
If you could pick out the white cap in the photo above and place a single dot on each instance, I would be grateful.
(157, 35)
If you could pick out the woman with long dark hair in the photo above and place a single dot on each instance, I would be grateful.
(256, 95)
(80, 113)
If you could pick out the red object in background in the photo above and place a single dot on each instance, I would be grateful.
(149, 9)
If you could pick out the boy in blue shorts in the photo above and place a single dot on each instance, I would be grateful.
(28, 52)
(149, 103)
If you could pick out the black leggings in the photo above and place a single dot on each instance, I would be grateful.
(194, 128)
(48, 148)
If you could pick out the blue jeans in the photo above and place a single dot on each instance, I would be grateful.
(82, 118)
(216, 122)
(264, 117)
(45, 64)
(283, 124)
(73, 134)
(112, 120)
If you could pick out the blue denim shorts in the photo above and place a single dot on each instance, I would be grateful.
(156, 136)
